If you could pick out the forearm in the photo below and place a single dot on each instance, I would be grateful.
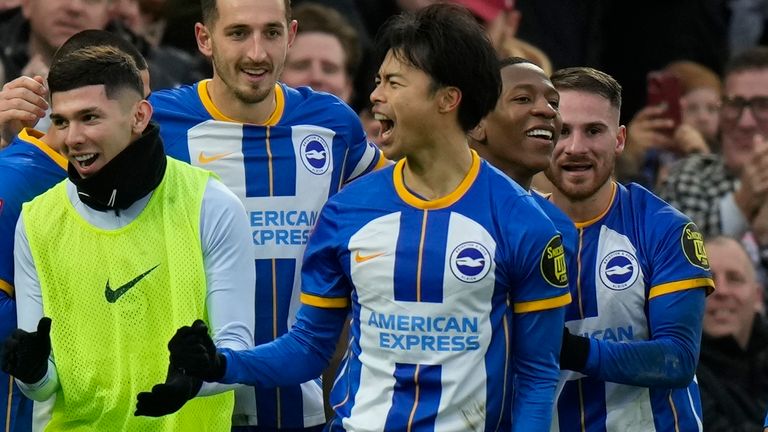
(296, 357)
(537, 337)
(43, 389)
(668, 359)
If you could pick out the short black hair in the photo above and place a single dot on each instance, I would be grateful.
(754, 58)
(447, 43)
(211, 13)
(588, 80)
(95, 65)
(87, 38)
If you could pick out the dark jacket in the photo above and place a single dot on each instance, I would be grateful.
(734, 382)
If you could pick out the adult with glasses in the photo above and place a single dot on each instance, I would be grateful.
(727, 193)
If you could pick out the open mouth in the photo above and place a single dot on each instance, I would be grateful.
(387, 125)
(576, 167)
(86, 160)
(540, 134)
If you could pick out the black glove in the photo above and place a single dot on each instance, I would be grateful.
(193, 353)
(25, 354)
(574, 351)
(168, 397)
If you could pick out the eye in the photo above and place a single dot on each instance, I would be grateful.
(565, 131)
(592, 131)
(237, 34)
(523, 99)
(555, 103)
(59, 123)
(273, 33)
(90, 117)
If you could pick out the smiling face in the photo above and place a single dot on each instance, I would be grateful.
(247, 43)
(737, 134)
(730, 309)
(92, 129)
(518, 136)
(404, 104)
(590, 142)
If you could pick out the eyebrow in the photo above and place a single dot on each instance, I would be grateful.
(78, 113)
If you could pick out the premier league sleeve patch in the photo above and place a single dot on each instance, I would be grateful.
(692, 242)
(553, 263)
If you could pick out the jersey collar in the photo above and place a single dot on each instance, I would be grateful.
(443, 202)
(205, 98)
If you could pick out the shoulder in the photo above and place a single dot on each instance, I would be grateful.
(371, 187)
(306, 106)
(645, 203)
(181, 99)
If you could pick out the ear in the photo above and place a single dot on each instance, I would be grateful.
(621, 139)
(141, 117)
(448, 99)
(478, 134)
(203, 37)
(293, 27)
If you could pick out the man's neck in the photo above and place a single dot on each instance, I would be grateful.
(438, 168)
(234, 108)
(586, 209)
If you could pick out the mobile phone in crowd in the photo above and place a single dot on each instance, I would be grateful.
(664, 88)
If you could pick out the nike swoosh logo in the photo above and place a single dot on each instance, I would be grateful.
(363, 258)
(203, 159)
(113, 295)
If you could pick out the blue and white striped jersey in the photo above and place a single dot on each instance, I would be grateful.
(451, 299)
(640, 264)
(283, 171)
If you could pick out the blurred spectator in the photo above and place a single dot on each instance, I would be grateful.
(31, 34)
(728, 192)
(144, 18)
(746, 27)
(325, 53)
(654, 141)
(733, 367)
(502, 20)
(9, 4)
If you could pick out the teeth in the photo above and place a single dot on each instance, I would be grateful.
(378, 116)
(255, 71)
(85, 157)
(540, 133)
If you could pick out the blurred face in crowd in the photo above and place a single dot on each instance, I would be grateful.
(518, 136)
(590, 142)
(52, 22)
(247, 43)
(701, 109)
(318, 60)
(730, 309)
(739, 123)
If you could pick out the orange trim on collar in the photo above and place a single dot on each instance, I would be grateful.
(451, 198)
(34, 137)
(602, 214)
(205, 98)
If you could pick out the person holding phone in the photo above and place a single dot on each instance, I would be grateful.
(680, 118)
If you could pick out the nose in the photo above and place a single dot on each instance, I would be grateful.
(574, 143)
(747, 119)
(377, 95)
(316, 75)
(73, 136)
(543, 108)
(256, 52)
(75, 6)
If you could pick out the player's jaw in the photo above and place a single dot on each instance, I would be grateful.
(578, 177)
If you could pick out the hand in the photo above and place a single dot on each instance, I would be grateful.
(688, 140)
(753, 189)
(22, 104)
(193, 352)
(650, 129)
(25, 355)
(574, 351)
(168, 397)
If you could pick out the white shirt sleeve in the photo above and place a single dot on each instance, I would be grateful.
(29, 310)
(230, 272)
(733, 222)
